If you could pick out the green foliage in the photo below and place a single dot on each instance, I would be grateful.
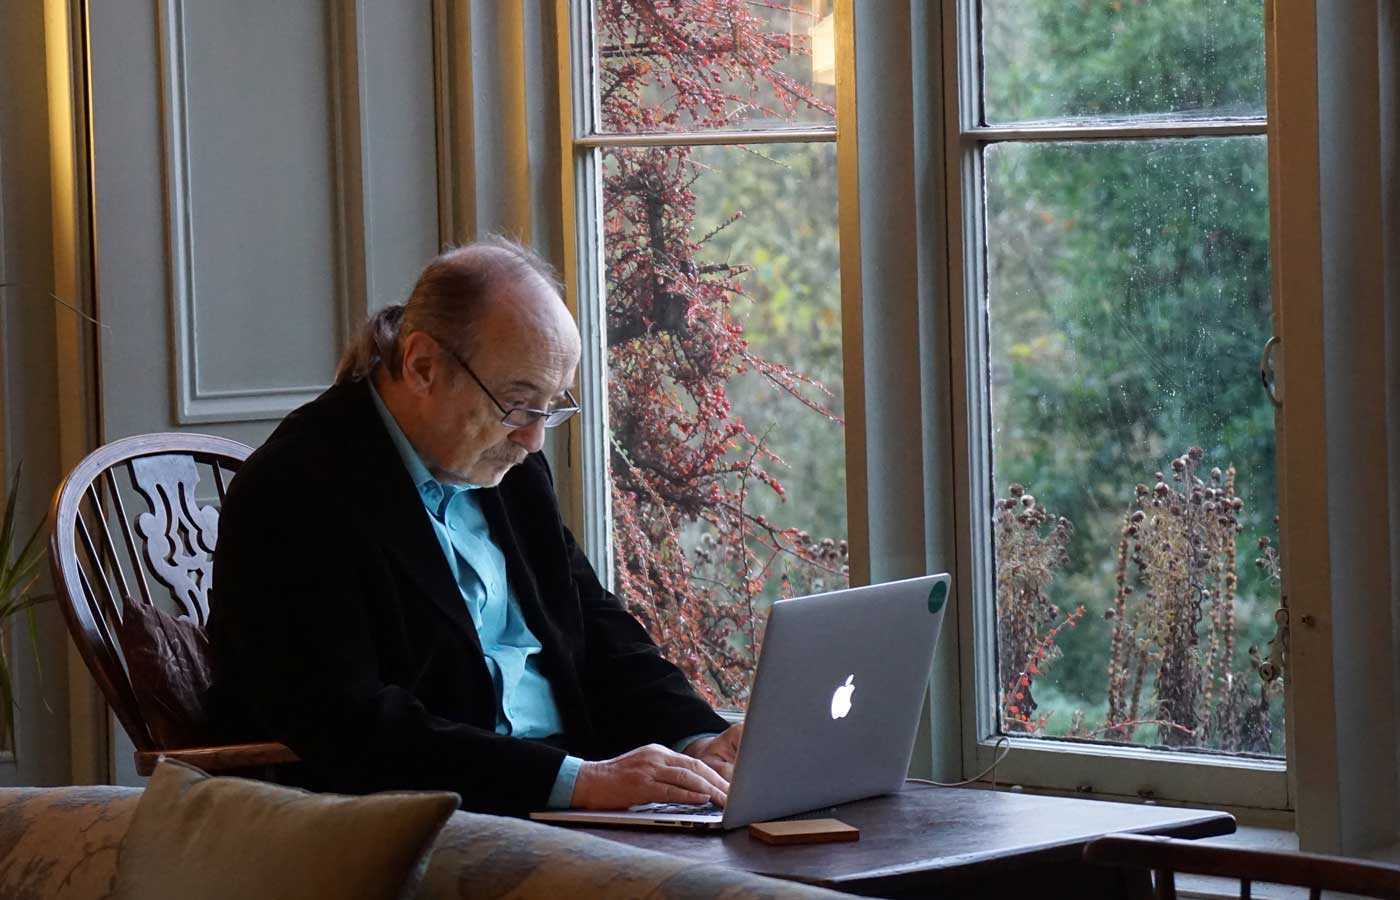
(19, 570)
(1128, 289)
(1051, 59)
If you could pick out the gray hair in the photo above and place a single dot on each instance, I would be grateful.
(448, 299)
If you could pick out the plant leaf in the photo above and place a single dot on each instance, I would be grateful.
(34, 646)
(61, 302)
(33, 549)
(20, 606)
(24, 566)
(7, 532)
(7, 696)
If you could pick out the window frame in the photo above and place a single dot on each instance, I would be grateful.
(954, 740)
(1090, 769)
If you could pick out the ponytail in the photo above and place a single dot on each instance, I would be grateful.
(377, 342)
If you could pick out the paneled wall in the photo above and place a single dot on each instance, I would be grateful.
(264, 174)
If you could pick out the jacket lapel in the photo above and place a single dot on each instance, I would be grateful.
(394, 509)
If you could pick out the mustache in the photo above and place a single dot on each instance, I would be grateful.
(514, 457)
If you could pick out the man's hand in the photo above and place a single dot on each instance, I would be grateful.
(650, 774)
(720, 752)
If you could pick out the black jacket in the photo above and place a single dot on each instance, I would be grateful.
(336, 626)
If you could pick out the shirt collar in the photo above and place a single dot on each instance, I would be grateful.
(435, 493)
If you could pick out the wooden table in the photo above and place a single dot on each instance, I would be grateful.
(963, 842)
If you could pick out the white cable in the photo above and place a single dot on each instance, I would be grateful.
(1005, 750)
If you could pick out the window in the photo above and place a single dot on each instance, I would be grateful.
(706, 159)
(1107, 253)
(1115, 242)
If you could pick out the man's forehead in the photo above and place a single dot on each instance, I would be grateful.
(528, 363)
(536, 386)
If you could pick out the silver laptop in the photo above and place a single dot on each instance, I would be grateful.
(834, 708)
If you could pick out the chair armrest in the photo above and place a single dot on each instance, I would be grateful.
(221, 758)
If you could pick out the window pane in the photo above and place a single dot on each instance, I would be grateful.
(693, 65)
(727, 462)
(1128, 301)
(1056, 59)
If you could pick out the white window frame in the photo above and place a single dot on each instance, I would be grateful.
(1085, 768)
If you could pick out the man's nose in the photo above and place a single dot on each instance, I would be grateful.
(531, 436)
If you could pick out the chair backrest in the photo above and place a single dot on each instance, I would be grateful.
(130, 526)
(1164, 857)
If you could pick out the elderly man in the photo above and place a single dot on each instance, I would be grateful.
(397, 599)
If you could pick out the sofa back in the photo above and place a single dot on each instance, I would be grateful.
(63, 843)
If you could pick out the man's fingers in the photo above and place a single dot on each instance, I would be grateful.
(689, 780)
(725, 769)
(675, 794)
(703, 769)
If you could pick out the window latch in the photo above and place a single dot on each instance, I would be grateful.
(1267, 375)
(1274, 665)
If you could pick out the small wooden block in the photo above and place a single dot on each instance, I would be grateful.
(804, 831)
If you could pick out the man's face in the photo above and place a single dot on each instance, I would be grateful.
(525, 352)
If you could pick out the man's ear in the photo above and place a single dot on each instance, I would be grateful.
(420, 360)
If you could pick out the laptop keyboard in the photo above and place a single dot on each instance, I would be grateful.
(699, 809)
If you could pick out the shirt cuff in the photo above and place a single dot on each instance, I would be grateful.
(561, 796)
(680, 745)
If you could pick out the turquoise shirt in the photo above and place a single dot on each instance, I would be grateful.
(525, 704)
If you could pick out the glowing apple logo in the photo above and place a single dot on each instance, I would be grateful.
(841, 700)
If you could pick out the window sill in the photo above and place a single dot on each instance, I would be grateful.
(1128, 773)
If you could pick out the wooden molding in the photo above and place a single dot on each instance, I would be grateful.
(65, 27)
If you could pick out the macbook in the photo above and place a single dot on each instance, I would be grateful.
(834, 709)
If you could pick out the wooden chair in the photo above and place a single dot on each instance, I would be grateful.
(104, 561)
(1147, 858)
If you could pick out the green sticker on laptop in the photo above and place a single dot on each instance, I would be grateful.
(937, 596)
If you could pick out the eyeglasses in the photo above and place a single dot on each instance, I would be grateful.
(521, 416)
